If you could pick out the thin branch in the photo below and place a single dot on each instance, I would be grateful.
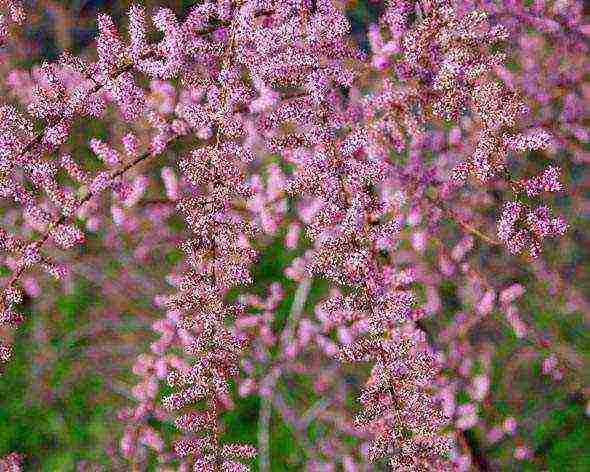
(468, 227)
(290, 417)
(276, 400)
(313, 412)
(62, 218)
(264, 416)
(295, 314)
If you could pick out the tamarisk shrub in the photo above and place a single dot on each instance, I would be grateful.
(280, 124)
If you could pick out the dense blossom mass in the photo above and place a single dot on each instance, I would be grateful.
(269, 119)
